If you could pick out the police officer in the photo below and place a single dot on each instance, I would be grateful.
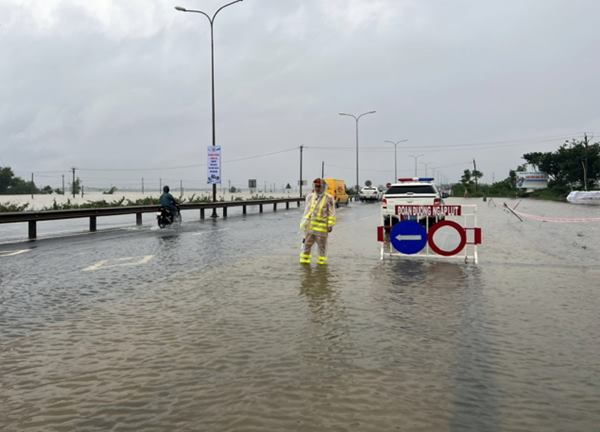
(317, 222)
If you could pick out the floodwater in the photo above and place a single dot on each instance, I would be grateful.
(214, 326)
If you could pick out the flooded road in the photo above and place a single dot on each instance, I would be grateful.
(215, 326)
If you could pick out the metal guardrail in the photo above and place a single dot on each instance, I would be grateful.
(93, 213)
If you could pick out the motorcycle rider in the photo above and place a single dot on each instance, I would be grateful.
(317, 222)
(169, 202)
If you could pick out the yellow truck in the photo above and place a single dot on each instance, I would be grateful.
(337, 188)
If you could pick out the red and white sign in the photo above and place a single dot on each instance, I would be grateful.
(428, 210)
(451, 225)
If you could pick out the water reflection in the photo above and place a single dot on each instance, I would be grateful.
(315, 287)
(476, 389)
(326, 339)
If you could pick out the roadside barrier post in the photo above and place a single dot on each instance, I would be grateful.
(32, 230)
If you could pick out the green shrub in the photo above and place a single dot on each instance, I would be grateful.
(9, 207)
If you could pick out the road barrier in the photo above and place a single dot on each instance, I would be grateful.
(410, 238)
(32, 218)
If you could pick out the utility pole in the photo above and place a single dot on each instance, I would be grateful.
(63, 184)
(300, 182)
(32, 185)
(585, 143)
(474, 173)
(160, 185)
(181, 187)
(142, 185)
(73, 184)
(323, 169)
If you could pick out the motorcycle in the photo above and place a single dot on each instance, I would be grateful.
(165, 217)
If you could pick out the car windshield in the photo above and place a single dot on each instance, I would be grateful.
(416, 189)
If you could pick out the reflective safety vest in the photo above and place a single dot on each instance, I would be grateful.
(317, 222)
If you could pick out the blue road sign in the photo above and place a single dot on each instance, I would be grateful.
(408, 237)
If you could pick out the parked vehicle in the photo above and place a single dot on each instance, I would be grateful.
(368, 193)
(409, 191)
(337, 188)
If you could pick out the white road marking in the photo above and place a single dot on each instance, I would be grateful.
(119, 262)
(210, 231)
(13, 253)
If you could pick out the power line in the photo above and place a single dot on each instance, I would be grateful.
(143, 169)
(484, 144)
(187, 166)
(261, 155)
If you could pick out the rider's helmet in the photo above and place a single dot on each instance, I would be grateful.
(166, 189)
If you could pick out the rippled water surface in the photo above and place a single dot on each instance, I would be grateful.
(214, 326)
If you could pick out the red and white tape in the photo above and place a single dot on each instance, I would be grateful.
(556, 219)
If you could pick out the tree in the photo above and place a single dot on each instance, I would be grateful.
(576, 164)
(76, 186)
(476, 175)
(9, 184)
(466, 179)
(6, 176)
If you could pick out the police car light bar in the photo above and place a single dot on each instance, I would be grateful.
(415, 179)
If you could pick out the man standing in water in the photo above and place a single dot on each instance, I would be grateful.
(317, 222)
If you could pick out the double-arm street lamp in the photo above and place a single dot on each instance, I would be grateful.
(416, 157)
(357, 118)
(212, 64)
(395, 156)
(426, 164)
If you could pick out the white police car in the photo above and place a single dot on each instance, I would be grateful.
(409, 191)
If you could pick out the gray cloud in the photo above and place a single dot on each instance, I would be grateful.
(109, 84)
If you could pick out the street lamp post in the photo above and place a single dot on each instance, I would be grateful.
(416, 157)
(357, 118)
(211, 20)
(395, 156)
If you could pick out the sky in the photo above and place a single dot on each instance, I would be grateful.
(121, 90)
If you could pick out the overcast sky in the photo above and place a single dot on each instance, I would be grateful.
(125, 86)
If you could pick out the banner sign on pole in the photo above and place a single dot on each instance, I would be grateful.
(214, 165)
